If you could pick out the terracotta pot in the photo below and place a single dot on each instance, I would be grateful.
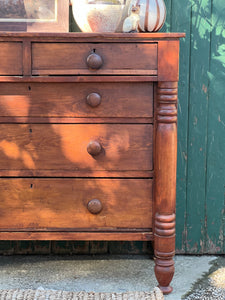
(152, 14)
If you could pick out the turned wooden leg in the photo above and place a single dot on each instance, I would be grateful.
(164, 250)
(165, 183)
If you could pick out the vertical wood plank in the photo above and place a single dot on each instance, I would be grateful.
(98, 247)
(167, 26)
(80, 247)
(135, 247)
(168, 63)
(42, 247)
(7, 247)
(24, 247)
(216, 134)
(62, 247)
(26, 58)
(180, 22)
(198, 118)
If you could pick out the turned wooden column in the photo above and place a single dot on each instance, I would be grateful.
(165, 183)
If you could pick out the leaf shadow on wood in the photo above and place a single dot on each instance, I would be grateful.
(22, 149)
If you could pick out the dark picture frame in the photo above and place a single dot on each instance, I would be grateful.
(34, 16)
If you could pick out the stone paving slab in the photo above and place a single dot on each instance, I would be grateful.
(109, 273)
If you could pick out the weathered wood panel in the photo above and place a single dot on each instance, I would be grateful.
(65, 147)
(11, 58)
(215, 184)
(181, 22)
(198, 119)
(66, 208)
(76, 100)
(201, 119)
(59, 58)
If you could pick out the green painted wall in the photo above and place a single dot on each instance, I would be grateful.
(201, 133)
(201, 139)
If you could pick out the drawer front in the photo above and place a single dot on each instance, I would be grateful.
(53, 204)
(120, 147)
(76, 100)
(71, 58)
(11, 55)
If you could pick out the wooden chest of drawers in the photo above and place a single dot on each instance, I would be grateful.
(88, 136)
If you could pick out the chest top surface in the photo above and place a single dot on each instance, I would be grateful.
(39, 54)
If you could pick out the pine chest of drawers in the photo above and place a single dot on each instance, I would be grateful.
(88, 137)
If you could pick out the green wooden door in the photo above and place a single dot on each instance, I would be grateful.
(201, 133)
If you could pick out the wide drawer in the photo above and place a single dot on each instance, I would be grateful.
(62, 204)
(121, 147)
(11, 58)
(71, 58)
(84, 100)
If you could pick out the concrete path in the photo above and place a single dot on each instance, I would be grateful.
(104, 273)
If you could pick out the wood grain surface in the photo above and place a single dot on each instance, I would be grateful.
(165, 183)
(75, 78)
(105, 37)
(125, 147)
(69, 100)
(71, 58)
(44, 204)
(76, 236)
(168, 60)
(11, 54)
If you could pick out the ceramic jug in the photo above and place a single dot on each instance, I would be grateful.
(152, 14)
(98, 15)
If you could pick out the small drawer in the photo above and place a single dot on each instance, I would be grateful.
(72, 204)
(91, 59)
(76, 147)
(81, 100)
(11, 58)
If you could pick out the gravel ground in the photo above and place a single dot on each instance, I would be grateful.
(212, 285)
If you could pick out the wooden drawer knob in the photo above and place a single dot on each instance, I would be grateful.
(94, 148)
(94, 206)
(94, 61)
(94, 99)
